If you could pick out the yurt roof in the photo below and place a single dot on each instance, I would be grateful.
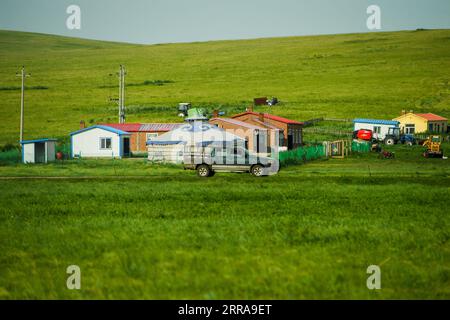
(198, 132)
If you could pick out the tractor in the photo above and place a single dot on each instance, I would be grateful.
(394, 137)
(433, 145)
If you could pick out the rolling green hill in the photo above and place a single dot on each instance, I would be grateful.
(355, 75)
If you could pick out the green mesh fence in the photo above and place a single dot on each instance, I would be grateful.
(361, 146)
(64, 148)
(11, 156)
(302, 154)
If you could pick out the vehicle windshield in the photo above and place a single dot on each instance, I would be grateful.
(394, 131)
(436, 139)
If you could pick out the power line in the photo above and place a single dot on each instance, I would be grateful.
(121, 100)
(23, 75)
(122, 74)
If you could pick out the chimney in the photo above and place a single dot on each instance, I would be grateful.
(261, 117)
(82, 124)
(249, 109)
(403, 111)
(411, 111)
(215, 114)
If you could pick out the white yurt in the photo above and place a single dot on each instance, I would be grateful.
(169, 147)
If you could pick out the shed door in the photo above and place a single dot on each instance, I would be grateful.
(39, 152)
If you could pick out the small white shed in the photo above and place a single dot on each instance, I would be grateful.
(380, 128)
(99, 142)
(38, 151)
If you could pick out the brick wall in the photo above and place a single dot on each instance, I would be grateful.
(296, 130)
(138, 140)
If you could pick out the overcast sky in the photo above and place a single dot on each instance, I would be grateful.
(162, 21)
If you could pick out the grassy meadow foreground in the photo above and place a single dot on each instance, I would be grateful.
(139, 230)
(146, 231)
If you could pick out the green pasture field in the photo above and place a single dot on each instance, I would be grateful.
(338, 76)
(140, 230)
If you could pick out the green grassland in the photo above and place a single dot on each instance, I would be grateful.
(140, 230)
(343, 76)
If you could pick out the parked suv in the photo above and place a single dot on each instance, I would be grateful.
(209, 160)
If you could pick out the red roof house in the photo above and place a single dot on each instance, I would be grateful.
(411, 123)
(431, 117)
(292, 129)
(141, 132)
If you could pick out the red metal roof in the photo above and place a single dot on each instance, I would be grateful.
(270, 116)
(431, 117)
(128, 127)
(144, 127)
(238, 123)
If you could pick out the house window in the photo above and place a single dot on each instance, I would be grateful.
(377, 129)
(105, 143)
(296, 135)
(151, 136)
(410, 128)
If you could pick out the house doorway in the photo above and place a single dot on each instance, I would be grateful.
(126, 146)
(290, 142)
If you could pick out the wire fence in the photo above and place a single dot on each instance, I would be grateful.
(318, 151)
(329, 131)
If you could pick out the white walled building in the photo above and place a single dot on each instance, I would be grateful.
(380, 128)
(38, 151)
(99, 142)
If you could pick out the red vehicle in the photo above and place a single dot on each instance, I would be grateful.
(363, 134)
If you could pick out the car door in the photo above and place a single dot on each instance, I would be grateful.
(235, 160)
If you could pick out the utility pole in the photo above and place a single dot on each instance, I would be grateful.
(23, 75)
(122, 73)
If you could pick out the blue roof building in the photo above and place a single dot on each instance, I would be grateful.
(38, 150)
(379, 128)
(99, 142)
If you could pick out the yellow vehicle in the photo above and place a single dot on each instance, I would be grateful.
(433, 145)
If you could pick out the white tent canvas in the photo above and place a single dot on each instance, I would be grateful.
(169, 147)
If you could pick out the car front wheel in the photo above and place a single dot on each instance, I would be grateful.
(203, 170)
